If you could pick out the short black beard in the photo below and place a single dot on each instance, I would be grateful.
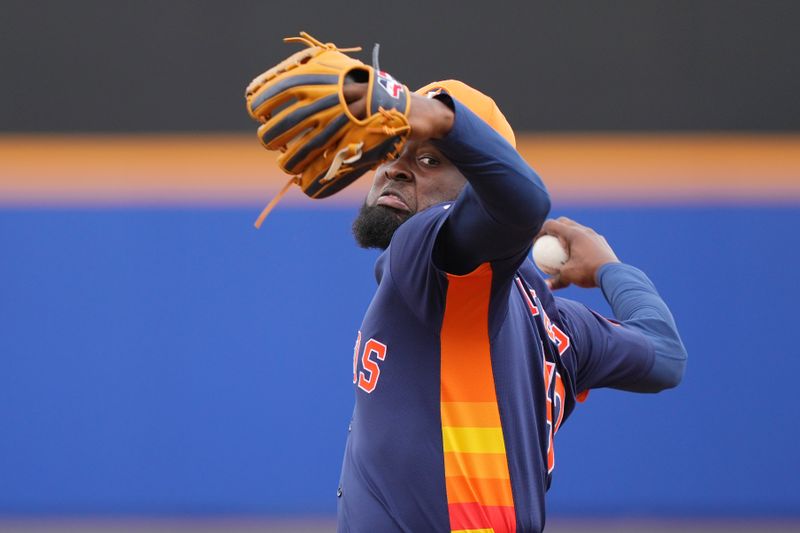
(375, 225)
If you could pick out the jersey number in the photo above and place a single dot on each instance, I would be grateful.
(554, 387)
(553, 383)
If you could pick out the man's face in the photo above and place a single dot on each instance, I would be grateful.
(419, 178)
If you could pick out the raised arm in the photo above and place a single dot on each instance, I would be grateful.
(642, 351)
(503, 205)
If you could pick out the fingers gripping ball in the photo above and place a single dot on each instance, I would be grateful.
(549, 254)
(303, 113)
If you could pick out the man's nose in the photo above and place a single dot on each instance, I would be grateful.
(398, 170)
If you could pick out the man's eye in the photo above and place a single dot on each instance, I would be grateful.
(429, 160)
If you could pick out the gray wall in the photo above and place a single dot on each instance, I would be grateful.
(97, 65)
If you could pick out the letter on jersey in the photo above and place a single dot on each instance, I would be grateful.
(374, 351)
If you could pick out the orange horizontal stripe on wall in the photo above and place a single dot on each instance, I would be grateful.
(137, 169)
(233, 168)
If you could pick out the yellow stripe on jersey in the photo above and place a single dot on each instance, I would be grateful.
(473, 440)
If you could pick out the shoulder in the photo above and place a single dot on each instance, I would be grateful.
(410, 266)
(410, 252)
(417, 235)
(416, 226)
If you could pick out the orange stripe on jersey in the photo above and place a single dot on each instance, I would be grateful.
(485, 490)
(479, 465)
(465, 339)
(470, 414)
(478, 484)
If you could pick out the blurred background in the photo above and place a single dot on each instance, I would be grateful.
(166, 367)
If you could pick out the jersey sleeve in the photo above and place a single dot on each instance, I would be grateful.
(501, 208)
(637, 304)
(640, 351)
(606, 353)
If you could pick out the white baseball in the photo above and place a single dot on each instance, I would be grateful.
(549, 254)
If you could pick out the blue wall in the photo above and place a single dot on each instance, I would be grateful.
(175, 360)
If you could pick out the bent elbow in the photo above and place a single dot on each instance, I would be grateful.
(674, 377)
(668, 371)
(543, 207)
(538, 207)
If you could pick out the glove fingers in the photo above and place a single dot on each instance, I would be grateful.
(293, 61)
(321, 125)
(285, 125)
(273, 93)
(306, 148)
(310, 67)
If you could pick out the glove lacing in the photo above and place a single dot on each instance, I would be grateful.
(312, 42)
(342, 157)
(272, 203)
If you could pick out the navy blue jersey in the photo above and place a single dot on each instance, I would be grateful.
(462, 381)
(461, 384)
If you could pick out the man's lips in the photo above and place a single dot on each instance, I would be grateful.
(390, 199)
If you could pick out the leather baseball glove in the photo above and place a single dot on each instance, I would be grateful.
(303, 113)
